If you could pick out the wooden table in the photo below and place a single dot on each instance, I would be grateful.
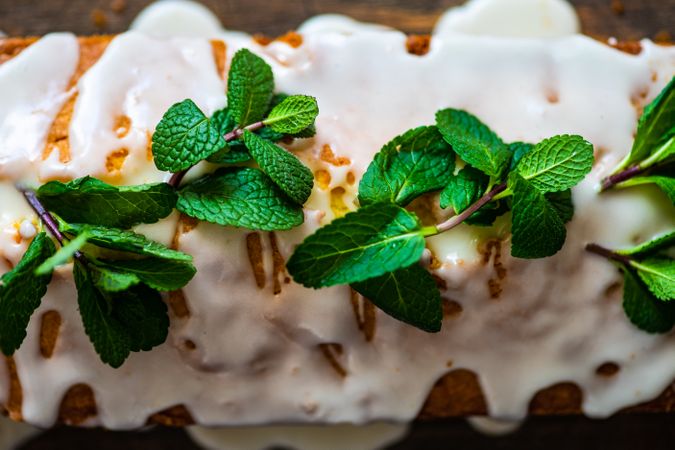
(624, 19)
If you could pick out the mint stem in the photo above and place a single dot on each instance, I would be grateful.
(48, 220)
(177, 177)
(620, 177)
(453, 221)
(604, 252)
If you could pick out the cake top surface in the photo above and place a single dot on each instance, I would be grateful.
(244, 354)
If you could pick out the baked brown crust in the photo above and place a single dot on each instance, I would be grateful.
(456, 394)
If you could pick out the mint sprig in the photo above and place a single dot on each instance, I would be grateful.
(119, 274)
(21, 292)
(652, 156)
(370, 242)
(408, 166)
(184, 137)
(89, 200)
(253, 121)
(240, 197)
(649, 281)
(377, 248)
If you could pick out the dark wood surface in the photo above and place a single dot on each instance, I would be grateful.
(625, 19)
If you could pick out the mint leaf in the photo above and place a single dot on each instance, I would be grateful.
(518, 150)
(653, 246)
(464, 189)
(294, 114)
(487, 215)
(409, 295)
(63, 255)
(144, 316)
(250, 86)
(283, 167)
(537, 229)
(122, 322)
(562, 202)
(161, 274)
(308, 132)
(184, 137)
(643, 309)
(89, 200)
(665, 183)
(557, 163)
(21, 292)
(416, 162)
(108, 280)
(367, 243)
(658, 274)
(240, 197)
(655, 126)
(473, 141)
(125, 241)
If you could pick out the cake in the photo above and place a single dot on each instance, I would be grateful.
(247, 346)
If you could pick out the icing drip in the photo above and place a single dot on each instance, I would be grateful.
(255, 357)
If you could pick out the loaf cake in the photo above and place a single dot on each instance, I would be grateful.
(247, 345)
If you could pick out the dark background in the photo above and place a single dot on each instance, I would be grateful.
(624, 19)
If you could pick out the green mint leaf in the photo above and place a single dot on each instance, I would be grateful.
(161, 274)
(234, 153)
(125, 241)
(651, 247)
(658, 274)
(557, 163)
(473, 141)
(487, 215)
(518, 150)
(144, 315)
(184, 137)
(294, 114)
(283, 167)
(118, 323)
(250, 86)
(89, 200)
(108, 280)
(562, 202)
(63, 255)
(665, 183)
(108, 335)
(367, 243)
(643, 309)
(655, 126)
(308, 132)
(21, 292)
(464, 189)
(537, 229)
(409, 295)
(240, 197)
(416, 162)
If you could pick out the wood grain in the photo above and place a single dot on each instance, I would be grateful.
(625, 19)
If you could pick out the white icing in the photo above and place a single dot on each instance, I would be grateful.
(171, 18)
(27, 230)
(493, 427)
(160, 73)
(33, 89)
(256, 360)
(337, 437)
(512, 18)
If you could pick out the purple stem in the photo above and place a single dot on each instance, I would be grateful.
(48, 220)
(620, 177)
(604, 252)
(177, 177)
(456, 220)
